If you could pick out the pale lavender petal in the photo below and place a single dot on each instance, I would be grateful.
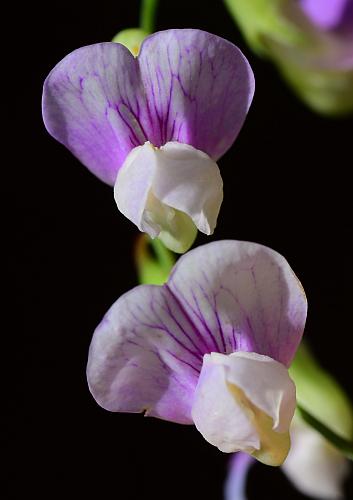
(200, 87)
(186, 85)
(144, 356)
(91, 105)
(235, 485)
(241, 296)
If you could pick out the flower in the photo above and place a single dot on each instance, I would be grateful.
(313, 465)
(210, 347)
(311, 42)
(330, 15)
(235, 484)
(154, 125)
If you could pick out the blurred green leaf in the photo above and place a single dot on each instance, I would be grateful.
(343, 445)
(320, 398)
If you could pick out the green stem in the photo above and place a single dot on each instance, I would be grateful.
(164, 256)
(148, 14)
(343, 445)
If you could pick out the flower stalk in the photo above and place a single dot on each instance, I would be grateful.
(153, 261)
(148, 15)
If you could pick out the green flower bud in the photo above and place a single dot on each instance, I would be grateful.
(131, 38)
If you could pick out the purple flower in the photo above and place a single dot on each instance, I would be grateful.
(154, 125)
(210, 347)
(311, 42)
(235, 484)
(323, 64)
(335, 16)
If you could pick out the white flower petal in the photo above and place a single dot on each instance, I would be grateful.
(245, 402)
(189, 180)
(217, 414)
(269, 387)
(133, 184)
(166, 192)
(313, 465)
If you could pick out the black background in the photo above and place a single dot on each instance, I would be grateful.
(286, 185)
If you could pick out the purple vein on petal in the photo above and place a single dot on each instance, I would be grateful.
(246, 318)
(166, 122)
(260, 304)
(279, 324)
(189, 319)
(220, 329)
(235, 343)
(213, 307)
(172, 316)
(197, 370)
(130, 120)
(200, 317)
(164, 328)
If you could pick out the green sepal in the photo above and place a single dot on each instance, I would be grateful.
(132, 38)
(153, 261)
(322, 403)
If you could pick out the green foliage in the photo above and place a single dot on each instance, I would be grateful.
(322, 403)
